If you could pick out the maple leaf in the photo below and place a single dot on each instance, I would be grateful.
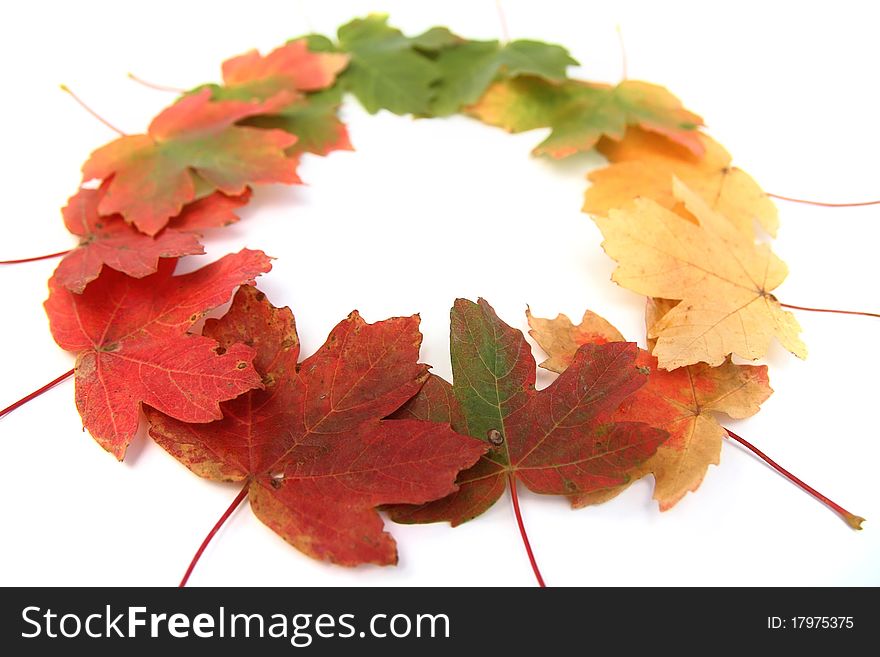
(280, 81)
(313, 119)
(280, 75)
(388, 70)
(434, 73)
(722, 277)
(644, 165)
(580, 113)
(467, 69)
(683, 402)
(155, 174)
(130, 337)
(312, 447)
(215, 210)
(435, 40)
(560, 339)
(552, 440)
(112, 242)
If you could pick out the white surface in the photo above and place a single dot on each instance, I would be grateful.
(423, 212)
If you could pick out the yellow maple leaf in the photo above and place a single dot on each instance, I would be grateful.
(644, 164)
(722, 277)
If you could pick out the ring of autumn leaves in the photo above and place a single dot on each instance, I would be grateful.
(359, 425)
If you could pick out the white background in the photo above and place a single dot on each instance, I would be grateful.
(423, 212)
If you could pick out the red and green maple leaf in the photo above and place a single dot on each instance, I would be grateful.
(553, 440)
(311, 446)
(294, 86)
(282, 75)
(130, 337)
(110, 241)
(313, 119)
(193, 142)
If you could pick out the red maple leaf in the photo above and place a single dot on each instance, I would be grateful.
(212, 211)
(154, 175)
(113, 242)
(311, 446)
(130, 337)
(684, 401)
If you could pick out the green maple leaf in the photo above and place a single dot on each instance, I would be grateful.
(435, 73)
(389, 70)
(435, 40)
(468, 69)
(580, 113)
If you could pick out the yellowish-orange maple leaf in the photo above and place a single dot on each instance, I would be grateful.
(643, 164)
(723, 278)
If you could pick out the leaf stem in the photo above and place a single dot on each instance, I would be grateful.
(229, 511)
(153, 85)
(511, 480)
(35, 393)
(828, 310)
(502, 19)
(88, 109)
(821, 203)
(852, 520)
(42, 257)
(624, 67)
